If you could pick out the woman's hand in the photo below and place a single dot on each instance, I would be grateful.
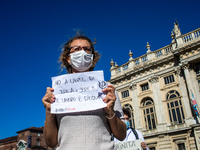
(48, 98)
(118, 127)
(50, 126)
(110, 100)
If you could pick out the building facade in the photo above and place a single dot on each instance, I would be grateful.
(159, 89)
(28, 139)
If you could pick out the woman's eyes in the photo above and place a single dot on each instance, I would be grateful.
(77, 49)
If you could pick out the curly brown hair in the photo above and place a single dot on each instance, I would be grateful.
(66, 49)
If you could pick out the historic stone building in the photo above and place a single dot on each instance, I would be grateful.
(157, 87)
(28, 139)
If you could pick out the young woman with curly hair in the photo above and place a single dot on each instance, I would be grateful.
(88, 130)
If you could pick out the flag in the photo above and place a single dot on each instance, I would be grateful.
(195, 105)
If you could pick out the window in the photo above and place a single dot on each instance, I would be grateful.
(175, 109)
(145, 87)
(125, 94)
(181, 146)
(38, 142)
(129, 107)
(38, 134)
(198, 70)
(169, 79)
(199, 84)
(149, 113)
(152, 146)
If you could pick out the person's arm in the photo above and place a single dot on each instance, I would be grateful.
(50, 126)
(143, 144)
(118, 127)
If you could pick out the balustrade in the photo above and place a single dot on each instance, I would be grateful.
(191, 36)
(137, 62)
(144, 59)
(125, 67)
(158, 53)
(197, 34)
(118, 70)
(168, 49)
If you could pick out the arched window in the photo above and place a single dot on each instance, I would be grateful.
(149, 113)
(175, 108)
(129, 107)
(38, 142)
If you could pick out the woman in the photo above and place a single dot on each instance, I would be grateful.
(89, 129)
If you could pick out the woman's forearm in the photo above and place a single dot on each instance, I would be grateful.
(51, 130)
(118, 127)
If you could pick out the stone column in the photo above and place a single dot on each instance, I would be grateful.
(188, 78)
(158, 103)
(133, 88)
(195, 84)
(186, 101)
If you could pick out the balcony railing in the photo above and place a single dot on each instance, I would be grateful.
(158, 54)
(144, 59)
(191, 36)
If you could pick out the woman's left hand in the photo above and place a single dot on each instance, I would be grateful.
(109, 99)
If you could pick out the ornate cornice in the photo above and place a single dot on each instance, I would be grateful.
(154, 79)
(133, 86)
(185, 65)
(180, 141)
(178, 70)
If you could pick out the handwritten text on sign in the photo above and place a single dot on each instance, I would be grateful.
(129, 145)
(78, 92)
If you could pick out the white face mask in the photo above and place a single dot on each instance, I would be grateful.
(81, 61)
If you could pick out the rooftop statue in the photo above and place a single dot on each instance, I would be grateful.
(176, 29)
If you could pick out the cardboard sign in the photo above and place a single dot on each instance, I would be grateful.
(129, 145)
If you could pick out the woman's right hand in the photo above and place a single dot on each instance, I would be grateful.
(48, 98)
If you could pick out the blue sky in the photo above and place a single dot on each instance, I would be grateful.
(32, 32)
